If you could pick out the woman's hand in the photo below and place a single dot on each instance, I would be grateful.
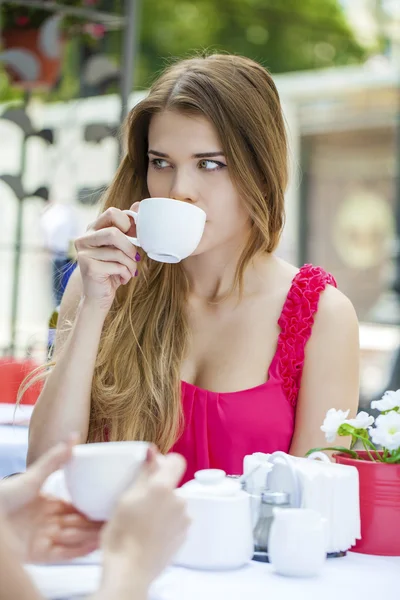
(107, 259)
(149, 524)
(45, 529)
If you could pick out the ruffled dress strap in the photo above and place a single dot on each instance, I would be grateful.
(296, 322)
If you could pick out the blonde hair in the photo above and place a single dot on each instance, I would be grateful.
(136, 390)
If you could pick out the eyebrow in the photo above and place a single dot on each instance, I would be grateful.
(200, 155)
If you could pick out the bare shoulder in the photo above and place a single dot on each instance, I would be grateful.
(335, 314)
(284, 272)
(333, 304)
(335, 309)
(278, 276)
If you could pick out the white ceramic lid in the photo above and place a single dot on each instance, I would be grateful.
(211, 483)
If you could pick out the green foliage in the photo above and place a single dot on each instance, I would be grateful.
(284, 35)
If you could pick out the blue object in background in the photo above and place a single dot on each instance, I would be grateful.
(62, 271)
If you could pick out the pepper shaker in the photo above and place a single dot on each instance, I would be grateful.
(269, 500)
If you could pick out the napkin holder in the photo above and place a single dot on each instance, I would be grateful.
(306, 481)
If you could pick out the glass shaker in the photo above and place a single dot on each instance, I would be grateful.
(269, 501)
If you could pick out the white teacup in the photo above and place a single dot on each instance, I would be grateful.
(168, 230)
(98, 474)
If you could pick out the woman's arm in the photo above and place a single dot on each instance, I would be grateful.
(63, 407)
(107, 259)
(331, 370)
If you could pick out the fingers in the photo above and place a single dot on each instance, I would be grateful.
(101, 271)
(54, 459)
(73, 439)
(110, 254)
(67, 527)
(170, 471)
(67, 516)
(112, 217)
(105, 254)
(110, 236)
(151, 464)
(76, 536)
(60, 553)
(50, 462)
(25, 488)
(159, 472)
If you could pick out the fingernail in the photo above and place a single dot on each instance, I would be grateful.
(137, 257)
(136, 273)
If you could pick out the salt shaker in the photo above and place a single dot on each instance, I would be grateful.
(269, 501)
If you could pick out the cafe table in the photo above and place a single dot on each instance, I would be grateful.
(352, 577)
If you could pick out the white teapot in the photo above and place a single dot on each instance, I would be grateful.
(220, 535)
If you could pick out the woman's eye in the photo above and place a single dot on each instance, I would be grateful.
(211, 165)
(159, 163)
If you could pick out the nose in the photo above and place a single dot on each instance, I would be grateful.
(182, 188)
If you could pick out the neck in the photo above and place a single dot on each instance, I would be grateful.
(211, 275)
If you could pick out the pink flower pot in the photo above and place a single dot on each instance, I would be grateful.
(379, 505)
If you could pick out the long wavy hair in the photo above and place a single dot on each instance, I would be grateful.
(136, 390)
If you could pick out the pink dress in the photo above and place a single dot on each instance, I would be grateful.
(221, 428)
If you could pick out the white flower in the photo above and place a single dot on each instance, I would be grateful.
(362, 421)
(389, 401)
(333, 420)
(386, 432)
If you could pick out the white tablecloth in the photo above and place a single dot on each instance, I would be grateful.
(353, 577)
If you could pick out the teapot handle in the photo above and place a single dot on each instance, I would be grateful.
(296, 497)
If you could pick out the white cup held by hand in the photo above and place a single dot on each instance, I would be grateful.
(97, 475)
(297, 543)
(168, 230)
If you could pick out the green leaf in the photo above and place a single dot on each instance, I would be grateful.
(392, 458)
(347, 429)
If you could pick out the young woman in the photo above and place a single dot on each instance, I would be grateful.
(230, 352)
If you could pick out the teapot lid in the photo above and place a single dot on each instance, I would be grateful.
(211, 483)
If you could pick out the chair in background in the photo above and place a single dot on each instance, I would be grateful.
(12, 373)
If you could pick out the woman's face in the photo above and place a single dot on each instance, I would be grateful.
(186, 162)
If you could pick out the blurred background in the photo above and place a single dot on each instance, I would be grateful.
(70, 71)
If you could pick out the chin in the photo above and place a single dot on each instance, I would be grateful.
(199, 250)
(204, 246)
